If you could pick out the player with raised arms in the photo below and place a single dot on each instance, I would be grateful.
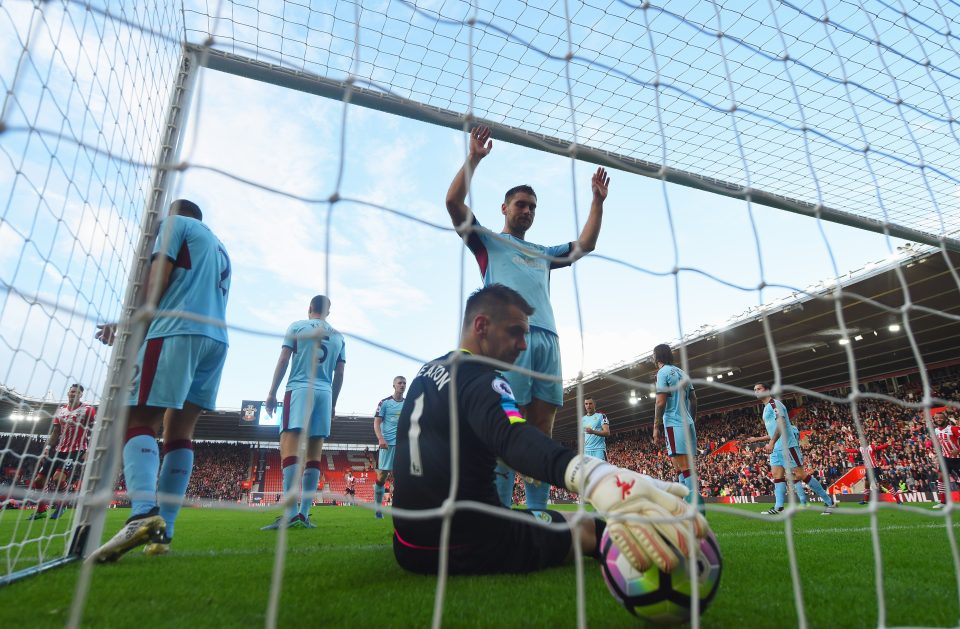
(676, 409)
(489, 426)
(176, 376)
(596, 427)
(66, 449)
(309, 403)
(873, 459)
(385, 421)
(783, 446)
(509, 259)
(948, 437)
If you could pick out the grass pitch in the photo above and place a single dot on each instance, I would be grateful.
(342, 574)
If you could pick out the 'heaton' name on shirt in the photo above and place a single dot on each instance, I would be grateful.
(438, 373)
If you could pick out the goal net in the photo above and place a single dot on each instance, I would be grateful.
(83, 132)
(755, 150)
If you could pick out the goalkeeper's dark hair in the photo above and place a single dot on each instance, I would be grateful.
(765, 385)
(184, 207)
(663, 354)
(514, 190)
(493, 300)
(320, 305)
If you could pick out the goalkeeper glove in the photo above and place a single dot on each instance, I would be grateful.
(617, 491)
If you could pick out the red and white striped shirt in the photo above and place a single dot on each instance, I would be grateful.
(949, 438)
(75, 425)
(871, 454)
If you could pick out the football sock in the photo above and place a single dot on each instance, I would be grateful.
(896, 494)
(289, 465)
(504, 477)
(42, 507)
(311, 477)
(537, 495)
(378, 494)
(814, 484)
(141, 463)
(685, 479)
(941, 492)
(174, 477)
(801, 494)
(779, 492)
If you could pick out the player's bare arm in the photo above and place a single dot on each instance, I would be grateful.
(600, 184)
(337, 385)
(773, 440)
(480, 147)
(278, 373)
(158, 279)
(603, 432)
(51, 446)
(660, 407)
(692, 401)
(381, 442)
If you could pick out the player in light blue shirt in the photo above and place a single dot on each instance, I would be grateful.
(676, 409)
(509, 259)
(783, 446)
(176, 375)
(316, 354)
(385, 421)
(596, 427)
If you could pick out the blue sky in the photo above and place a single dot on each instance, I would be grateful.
(400, 283)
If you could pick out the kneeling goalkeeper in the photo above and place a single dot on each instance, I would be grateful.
(489, 425)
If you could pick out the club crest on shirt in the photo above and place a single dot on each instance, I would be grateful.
(502, 387)
(543, 516)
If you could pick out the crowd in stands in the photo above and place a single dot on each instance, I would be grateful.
(218, 471)
(830, 444)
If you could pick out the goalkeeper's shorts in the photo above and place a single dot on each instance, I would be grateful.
(500, 546)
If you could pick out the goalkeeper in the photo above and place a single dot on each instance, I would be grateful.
(489, 425)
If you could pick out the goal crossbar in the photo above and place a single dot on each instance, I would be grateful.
(310, 83)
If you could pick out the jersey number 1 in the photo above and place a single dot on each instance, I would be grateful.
(416, 466)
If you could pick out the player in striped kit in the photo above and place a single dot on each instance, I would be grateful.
(872, 459)
(597, 429)
(66, 449)
(948, 436)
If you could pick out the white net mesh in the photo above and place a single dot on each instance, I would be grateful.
(848, 108)
(845, 115)
(85, 90)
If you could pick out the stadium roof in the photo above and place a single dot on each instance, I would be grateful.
(24, 415)
(808, 338)
(804, 327)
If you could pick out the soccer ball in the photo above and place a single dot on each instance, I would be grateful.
(655, 595)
